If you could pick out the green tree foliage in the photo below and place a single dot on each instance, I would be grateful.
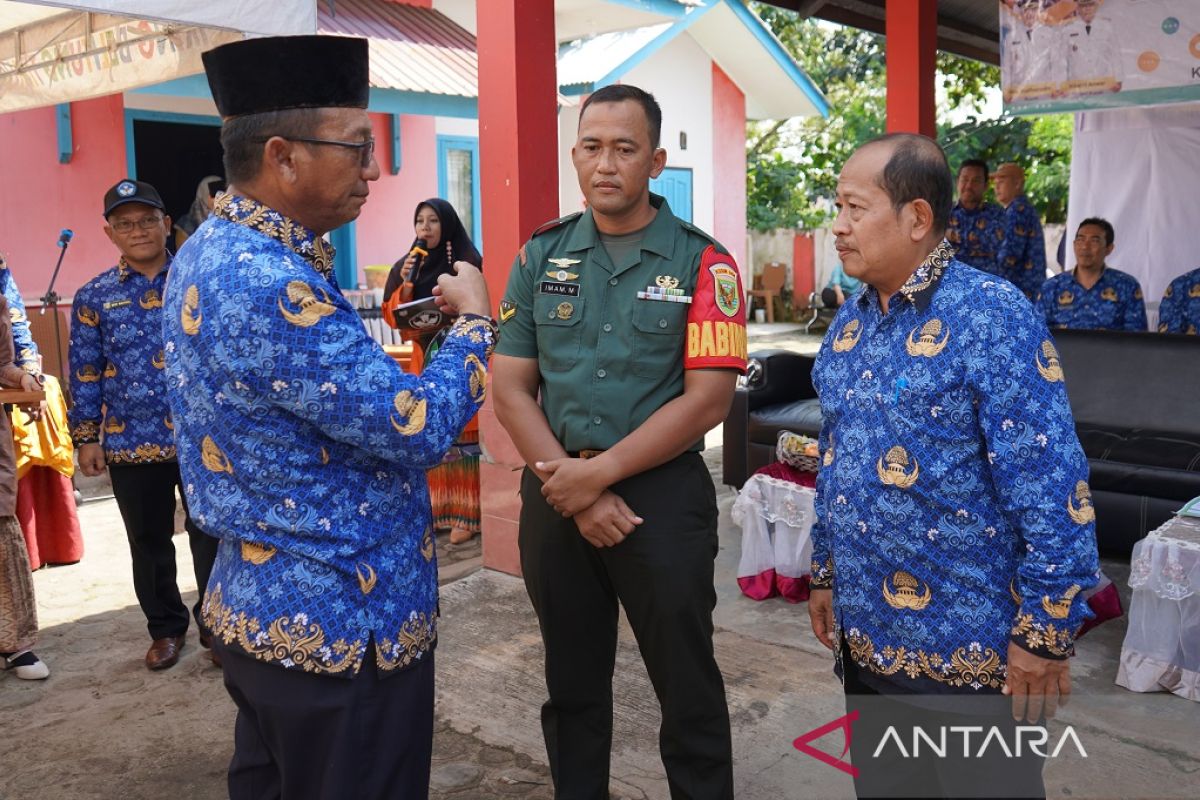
(792, 166)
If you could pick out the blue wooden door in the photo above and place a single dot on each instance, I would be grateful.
(675, 184)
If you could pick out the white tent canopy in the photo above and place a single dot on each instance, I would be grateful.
(56, 52)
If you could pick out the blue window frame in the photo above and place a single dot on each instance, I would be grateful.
(458, 180)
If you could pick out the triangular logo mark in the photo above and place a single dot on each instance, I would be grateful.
(801, 743)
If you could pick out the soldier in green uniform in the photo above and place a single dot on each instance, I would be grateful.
(629, 324)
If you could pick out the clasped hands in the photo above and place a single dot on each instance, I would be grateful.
(578, 488)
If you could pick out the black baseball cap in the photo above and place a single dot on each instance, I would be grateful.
(131, 191)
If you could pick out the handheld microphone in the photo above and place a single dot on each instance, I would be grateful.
(406, 289)
(419, 248)
(65, 237)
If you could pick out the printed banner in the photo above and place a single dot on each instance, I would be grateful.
(1070, 55)
(124, 55)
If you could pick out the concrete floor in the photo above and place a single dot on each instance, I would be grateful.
(103, 726)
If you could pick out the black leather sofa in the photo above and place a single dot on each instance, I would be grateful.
(1135, 398)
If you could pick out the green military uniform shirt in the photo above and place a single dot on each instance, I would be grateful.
(613, 341)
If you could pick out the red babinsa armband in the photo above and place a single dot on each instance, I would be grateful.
(716, 329)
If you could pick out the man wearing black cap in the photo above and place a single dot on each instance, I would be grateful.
(120, 417)
(303, 445)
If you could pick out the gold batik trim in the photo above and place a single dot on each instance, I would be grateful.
(822, 575)
(86, 433)
(477, 329)
(930, 271)
(291, 234)
(142, 454)
(1035, 637)
(415, 638)
(972, 666)
(293, 641)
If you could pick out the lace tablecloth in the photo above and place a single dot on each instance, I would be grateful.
(776, 517)
(1162, 646)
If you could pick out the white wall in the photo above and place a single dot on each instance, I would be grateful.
(456, 126)
(680, 78)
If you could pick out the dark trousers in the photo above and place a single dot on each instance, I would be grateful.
(300, 736)
(891, 774)
(146, 497)
(663, 576)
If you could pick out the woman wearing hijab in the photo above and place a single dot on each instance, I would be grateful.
(206, 196)
(439, 234)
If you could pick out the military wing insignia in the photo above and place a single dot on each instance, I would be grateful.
(562, 275)
(563, 263)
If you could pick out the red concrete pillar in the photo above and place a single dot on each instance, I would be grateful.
(911, 66)
(518, 145)
(803, 269)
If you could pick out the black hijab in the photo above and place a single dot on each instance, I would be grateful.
(456, 245)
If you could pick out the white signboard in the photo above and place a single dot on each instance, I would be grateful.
(1069, 55)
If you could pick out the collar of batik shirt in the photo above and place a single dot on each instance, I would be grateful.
(301, 240)
(124, 270)
(921, 285)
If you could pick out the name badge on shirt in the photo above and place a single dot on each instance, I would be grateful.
(117, 304)
(561, 289)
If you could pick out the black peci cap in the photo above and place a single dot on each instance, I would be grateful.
(280, 72)
(131, 191)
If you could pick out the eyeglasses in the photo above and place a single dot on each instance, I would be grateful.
(145, 223)
(366, 150)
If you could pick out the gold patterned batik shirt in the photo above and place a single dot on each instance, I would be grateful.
(118, 390)
(303, 447)
(953, 513)
(1179, 311)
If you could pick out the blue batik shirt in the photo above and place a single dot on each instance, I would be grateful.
(303, 446)
(952, 513)
(1179, 311)
(118, 390)
(1022, 254)
(976, 235)
(26, 352)
(1114, 303)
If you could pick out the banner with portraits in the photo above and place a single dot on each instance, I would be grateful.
(1070, 55)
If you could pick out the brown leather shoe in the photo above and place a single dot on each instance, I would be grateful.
(164, 653)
